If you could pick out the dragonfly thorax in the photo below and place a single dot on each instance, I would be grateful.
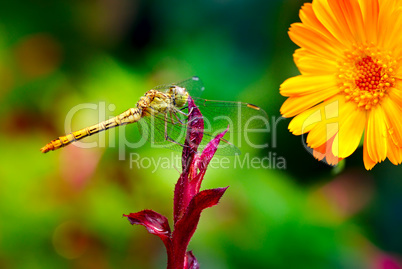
(159, 103)
(179, 96)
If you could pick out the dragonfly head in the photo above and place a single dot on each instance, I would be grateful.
(179, 95)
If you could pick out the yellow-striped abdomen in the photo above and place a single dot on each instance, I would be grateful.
(129, 116)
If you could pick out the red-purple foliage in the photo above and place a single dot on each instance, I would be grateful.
(189, 201)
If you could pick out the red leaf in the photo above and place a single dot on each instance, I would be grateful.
(187, 187)
(182, 192)
(190, 261)
(154, 222)
(185, 227)
(195, 132)
(200, 201)
(209, 151)
(200, 163)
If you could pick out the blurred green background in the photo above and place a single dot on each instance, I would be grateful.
(64, 209)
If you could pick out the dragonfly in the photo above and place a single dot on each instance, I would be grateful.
(162, 117)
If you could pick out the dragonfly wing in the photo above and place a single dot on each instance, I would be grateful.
(218, 115)
(225, 148)
(170, 130)
(162, 131)
(193, 86)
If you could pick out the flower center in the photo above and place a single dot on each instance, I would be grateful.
(366, 75)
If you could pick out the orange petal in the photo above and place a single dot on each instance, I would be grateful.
(394, 153)
(350, 134)
(376, 134)
(306, 84)
(335, 25)
(396, 95)
(394, 116)
(333, 114)
(322, 132)
(349, 17)
(368, 162)
(319, 153)
(310, 64)
(370, 12)
(306, 120)
(384, 21)
(295, 105)
(310, 20)
(390, 26)
(325, 150)
(317, 43)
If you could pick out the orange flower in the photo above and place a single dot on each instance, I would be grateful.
(350, 84)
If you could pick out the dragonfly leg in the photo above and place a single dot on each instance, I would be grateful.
(167, 138)
(188, 114)
(177, 118)
(193, 119)
(184, 113)
(173, 141)
(171, 118)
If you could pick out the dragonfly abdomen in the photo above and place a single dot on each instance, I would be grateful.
(129, 116)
